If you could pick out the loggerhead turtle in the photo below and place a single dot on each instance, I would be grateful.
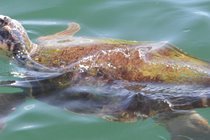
(118, 80)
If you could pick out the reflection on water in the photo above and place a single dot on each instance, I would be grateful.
(184, 23)
(51, 123)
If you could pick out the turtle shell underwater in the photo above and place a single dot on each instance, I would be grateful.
(117, 80)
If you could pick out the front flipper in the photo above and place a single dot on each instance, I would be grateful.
(185, 125)
(70, 31)
(8, 103)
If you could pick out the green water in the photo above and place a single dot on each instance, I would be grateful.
(183, 23)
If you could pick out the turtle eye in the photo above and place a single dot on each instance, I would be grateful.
(4, 34)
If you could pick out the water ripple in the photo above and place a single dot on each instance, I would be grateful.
(44, 22)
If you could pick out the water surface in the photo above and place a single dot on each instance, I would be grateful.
(186, 24)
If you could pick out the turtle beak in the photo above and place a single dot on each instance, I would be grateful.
(4, 35)
(2, 29)
(6, 38)
(4, 20)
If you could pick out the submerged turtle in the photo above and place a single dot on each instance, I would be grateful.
(115, 79)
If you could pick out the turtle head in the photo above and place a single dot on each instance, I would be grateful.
(13, 37)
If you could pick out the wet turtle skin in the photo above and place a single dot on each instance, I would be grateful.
(101, 62)
(115, 79)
